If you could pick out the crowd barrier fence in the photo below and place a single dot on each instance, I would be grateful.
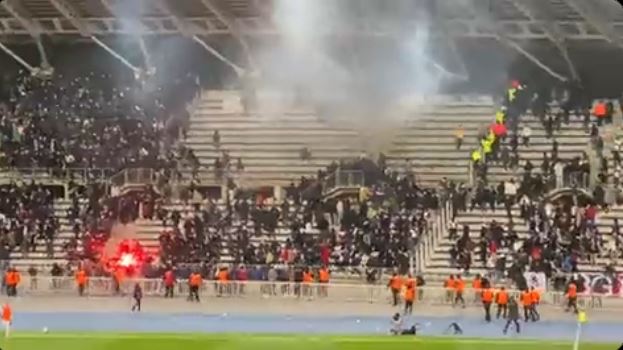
(261, 290)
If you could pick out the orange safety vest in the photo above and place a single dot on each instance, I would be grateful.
(449, 284)
(195, 280)
(223, 276)
(410, 294)
(477, 284)
(7, 313)
(12, 278)
(459, 286)
(502, 297)
(308, 277)
(526, 299)
(572, 291)
(536, 297)
(81, 278)
(395, 283)
(487, 295)
(323, 276)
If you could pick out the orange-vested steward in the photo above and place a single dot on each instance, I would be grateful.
(12, 278)
(459, 286)
(536, 297)
(487, 295)
(308, 277)
(477, 284)
(410, 294)
(502, 297)
(572, 291)
(8, 278)
(223, 276)
(323, 275)
(526, 298)
(195, 280)
(449, 284)
(395, 283)
(81, 277)
(7, 313)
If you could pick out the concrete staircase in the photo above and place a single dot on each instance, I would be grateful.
(429, 143)
(269, 143)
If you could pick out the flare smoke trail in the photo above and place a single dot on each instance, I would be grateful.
(128, 14)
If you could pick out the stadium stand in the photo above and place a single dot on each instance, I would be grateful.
(270, 145)
(531, 231)
(176, 160)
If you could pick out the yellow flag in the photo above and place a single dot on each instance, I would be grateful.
(582, 317)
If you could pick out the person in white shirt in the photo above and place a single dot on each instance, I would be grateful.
(525, 134)
(397, 329)
(339, 207)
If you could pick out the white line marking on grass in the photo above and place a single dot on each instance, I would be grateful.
(281, 338)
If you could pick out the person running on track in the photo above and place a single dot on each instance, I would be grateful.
(513, 315)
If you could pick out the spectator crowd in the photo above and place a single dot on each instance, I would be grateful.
(86, 117)
(560, 234)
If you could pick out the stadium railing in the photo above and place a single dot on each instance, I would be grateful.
(343, 179)
(374, 294)
(60, 175)
(427, 243)
(134, 176)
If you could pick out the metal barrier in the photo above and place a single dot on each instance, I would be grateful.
(374, 294)
(80, 175)
(426, 246)
(134, 176)
(344, 179)
(575, 179)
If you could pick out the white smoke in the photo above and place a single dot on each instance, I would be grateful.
(322, 56)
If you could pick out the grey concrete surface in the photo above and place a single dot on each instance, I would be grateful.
(268, 306)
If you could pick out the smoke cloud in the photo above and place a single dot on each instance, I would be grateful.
(321, 57)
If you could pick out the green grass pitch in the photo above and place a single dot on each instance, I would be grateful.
(108, 341)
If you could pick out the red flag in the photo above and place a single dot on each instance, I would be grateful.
(499, 130)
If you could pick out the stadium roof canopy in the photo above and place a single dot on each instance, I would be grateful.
(514, 19)
(511, 22)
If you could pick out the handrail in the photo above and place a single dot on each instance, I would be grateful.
(575, 179)
(427, 244)
(343, 179)
(57, 174)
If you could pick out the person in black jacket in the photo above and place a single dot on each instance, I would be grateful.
(138, 295)
(513, 315)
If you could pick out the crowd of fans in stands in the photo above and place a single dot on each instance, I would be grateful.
(559, 235)
(89, 118)
(88, 114)
(26, 219)
(378, 229)
(85, 116)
